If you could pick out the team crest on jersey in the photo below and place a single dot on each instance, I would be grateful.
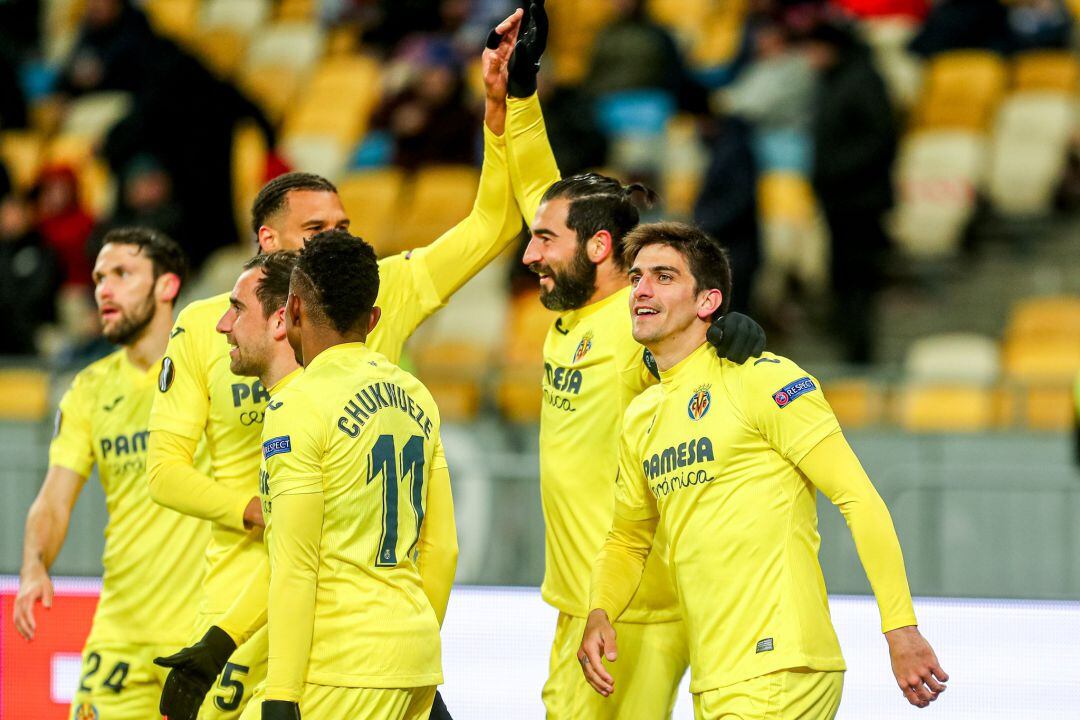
(700, 402)
(85, 711)
(584, 346)
(58, 422)
(165, 377)
(787, 394)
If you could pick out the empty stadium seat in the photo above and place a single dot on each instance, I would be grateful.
(947, 408)
(719, 34)
(338, 99)
(1054, 316)
(240, 16)
(578, 22)
(938, 175)
(93, 115)
(441, 196)
(174, 18)
(856, 403)
(24, 394)
(248, 169)
(297, 10)
(221, 49)
(295, 45)
(21, 152)
(272, 87)
(372, 200)
(793, 236)
(453, 372)
(1051, 360)
(1053, 70)
(953, 357)
(961, 90)
(519, 394)
(320, 154)
(1047, 407)
(1029, 151)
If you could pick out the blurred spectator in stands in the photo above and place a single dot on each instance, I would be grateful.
(29, 278)
(914, 9)
(146, 200)
(854, 147)
(1040, 24)
(12, 99)
(63, 223)
(575, 138)
(5, 181)
(115, 50)
(963, 25)
(20, 23)
(429, 118)
(635, 52)
(727, 206)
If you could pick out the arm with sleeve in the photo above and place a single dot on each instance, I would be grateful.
(438, 537)
(177, 422)
(248, 612)
(805, 431)
(296, 508)
(532, 163)
(621, 561)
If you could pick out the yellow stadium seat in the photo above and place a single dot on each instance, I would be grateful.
(292, 44)
(442, 195)
(222, 49)
(719, 36)
(21, 151)
(1055, 70)
(786, 196)
(297, 10)
(1048, 407)
(73, 150)
(320, 154)
(962, 89)
(24, 394)
(176, 18)
(453, 371)
(272, 87)
(519, 393)
(241, 16)
(338, 99)
(97, 187)
(248, 170)
(373, 200)
(856, 403)
(94, 114)
(947, 408)
(577, 21)
(1054, 316)
(1050, 359)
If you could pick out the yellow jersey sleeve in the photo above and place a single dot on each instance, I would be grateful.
(785, 404)
(72, 446)
(248, 611)
(532, 163)
(835, 470)
(437, 561)
(183, 401)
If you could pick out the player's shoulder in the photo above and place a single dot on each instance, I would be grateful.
(197, 312)
(771, 378)
(99, 370)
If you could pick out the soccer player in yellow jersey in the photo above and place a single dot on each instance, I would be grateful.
(725, 460)
(593, 369)
(207, 398)
(154, 557)
(355, 474)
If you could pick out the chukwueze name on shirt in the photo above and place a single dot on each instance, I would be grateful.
(373, 398)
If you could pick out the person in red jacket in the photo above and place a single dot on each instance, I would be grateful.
(64, 224)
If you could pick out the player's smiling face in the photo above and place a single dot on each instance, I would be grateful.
(663, 301)
(306, 213)
(567, 275)
(246, 328)
(124, 288)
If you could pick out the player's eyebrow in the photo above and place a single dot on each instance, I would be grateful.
(544, 232)
(235, 302)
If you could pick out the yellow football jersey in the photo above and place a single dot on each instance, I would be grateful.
(593, 368)
(154, 557)
(364, 434)
(713, 449)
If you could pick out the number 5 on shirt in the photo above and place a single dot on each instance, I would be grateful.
(385, 462)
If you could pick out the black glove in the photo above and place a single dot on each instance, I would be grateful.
(532, 41)
(736, 337)
(438, 709)
(194, 670)
(280, 710)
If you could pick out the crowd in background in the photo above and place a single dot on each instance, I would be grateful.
(802, 85)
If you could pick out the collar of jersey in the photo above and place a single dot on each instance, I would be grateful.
(283, 382)
(571, 318)
(690, 366)
(334, 351)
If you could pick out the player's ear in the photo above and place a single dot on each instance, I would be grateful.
(277, 324)
(373, 320)
(708, 303)
(599, 247)
(292, 309)
(268, 239)
(167, 287)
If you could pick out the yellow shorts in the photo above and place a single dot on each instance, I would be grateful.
(323, 702)
(652, 660)
(119, 682)
(798, 694)
(235, 686)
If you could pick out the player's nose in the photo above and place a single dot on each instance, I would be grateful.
(532, 253)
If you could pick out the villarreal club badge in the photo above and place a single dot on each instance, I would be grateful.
(85, 711)
(699, 403)
(584, 346)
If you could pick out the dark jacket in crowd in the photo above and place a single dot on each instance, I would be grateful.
(123, 52)
(29, 280)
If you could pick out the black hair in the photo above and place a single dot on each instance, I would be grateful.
(705, 256)
(337, 274)
(272, 289)
(599, 202)
(166, 255)
(274, 195)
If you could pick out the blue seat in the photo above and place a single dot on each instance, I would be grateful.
(634, 112)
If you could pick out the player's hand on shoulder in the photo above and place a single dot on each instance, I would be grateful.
(280, 710)
(915, 666)
(35, 586)
(598, 644)
(736, 337)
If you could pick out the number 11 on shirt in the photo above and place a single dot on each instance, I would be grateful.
(384, 461)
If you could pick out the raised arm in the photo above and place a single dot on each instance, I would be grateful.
(46, 527)
(438, 537)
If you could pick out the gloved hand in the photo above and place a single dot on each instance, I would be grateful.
(438, 709)
(736, 337)
(194, 670)
(280, 710)
(532, 41)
